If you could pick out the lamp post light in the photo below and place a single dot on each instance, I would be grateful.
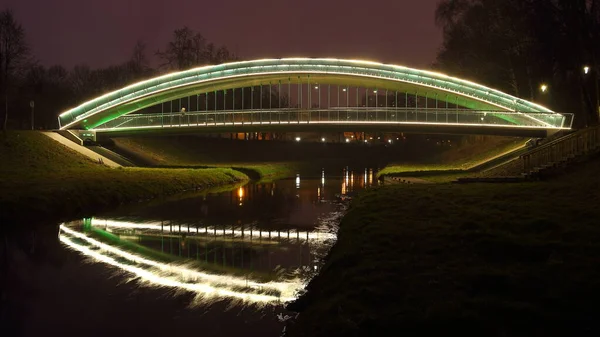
(586, 70)
(544, 97)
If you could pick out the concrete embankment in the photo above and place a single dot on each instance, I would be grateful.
(81, 149)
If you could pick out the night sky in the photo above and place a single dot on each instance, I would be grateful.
(103, 32)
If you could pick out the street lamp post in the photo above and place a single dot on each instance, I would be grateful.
(597, 83)
(32, 105)
(596, 78)
(597, 91)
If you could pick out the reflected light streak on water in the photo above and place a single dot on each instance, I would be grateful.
(302, 235)
(205, 290)
(157, 273)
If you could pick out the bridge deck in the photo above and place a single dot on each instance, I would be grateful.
(346, 119)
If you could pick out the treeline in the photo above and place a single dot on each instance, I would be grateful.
(55, 89)
(547, 51)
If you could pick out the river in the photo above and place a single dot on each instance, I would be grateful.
(214, 264)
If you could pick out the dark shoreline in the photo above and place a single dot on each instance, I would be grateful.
(495, 260)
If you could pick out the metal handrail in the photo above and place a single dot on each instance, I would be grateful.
(335, 115)
(574, 144)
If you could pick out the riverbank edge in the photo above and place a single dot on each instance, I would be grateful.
(336, 302)
(258, 173)
(445, 173)
(86, 196)
(177, 157)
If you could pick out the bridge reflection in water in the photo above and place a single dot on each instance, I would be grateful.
(212, 262)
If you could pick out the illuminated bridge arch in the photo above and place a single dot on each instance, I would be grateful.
(472, 105)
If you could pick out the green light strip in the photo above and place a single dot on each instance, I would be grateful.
(106, 107)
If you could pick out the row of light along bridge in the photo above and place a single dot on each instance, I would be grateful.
(288, 95)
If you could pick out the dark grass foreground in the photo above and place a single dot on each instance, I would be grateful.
(463, 260)
(41, 180)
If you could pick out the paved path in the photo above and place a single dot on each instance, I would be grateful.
(81, 149)
(406, 180)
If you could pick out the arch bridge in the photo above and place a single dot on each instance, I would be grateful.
(306, 94)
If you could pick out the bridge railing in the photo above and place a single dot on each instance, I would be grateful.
(570, 146)
(341, 115)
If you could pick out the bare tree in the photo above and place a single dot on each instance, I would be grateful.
(13, 54)
(184, 51)
(210, 53)
(79, 80)
(199, 45)
(138, 63)
(189, 49)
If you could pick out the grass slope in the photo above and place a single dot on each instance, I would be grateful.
(468, 260)
(198, 152)
(272, 158)
(456, 161)
(40, 178)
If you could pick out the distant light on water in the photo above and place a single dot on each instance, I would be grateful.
(241, 195)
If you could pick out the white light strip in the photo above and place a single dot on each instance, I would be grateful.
(342, 109)
(287, 289)
(382, 68)
(207, 125)
(316, 236)
(283, 60)
(152, 278)
(458, 93)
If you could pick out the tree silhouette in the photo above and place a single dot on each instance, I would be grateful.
(515, 45)
(13, 55)
(189, 49)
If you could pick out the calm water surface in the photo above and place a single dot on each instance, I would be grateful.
(216, 264)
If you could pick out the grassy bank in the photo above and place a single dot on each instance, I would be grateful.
(468, 260)
(194, 152)
(42, 180)
(455, 162)
(271, 159)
